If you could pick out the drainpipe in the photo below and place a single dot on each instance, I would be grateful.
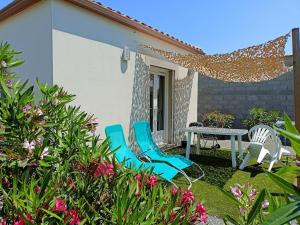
(296, 70)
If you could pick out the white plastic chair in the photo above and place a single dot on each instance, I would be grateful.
(260, 136)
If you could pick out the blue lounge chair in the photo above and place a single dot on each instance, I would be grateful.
(125, 156)
(149, 149)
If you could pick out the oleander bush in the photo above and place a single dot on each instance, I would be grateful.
(258, 115)
(55, 170)
(218, 119)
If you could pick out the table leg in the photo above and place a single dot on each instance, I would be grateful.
(188, 145)
(233, 159)
(198, 144)
(240, 145)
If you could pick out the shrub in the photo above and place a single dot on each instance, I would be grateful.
(261, 116)
(55, 170)
(218, 119)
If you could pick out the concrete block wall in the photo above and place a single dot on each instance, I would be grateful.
(238, 98)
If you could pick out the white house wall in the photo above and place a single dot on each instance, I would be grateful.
(87, 50)
(30, 32)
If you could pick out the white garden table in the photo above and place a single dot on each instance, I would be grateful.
(216, 131)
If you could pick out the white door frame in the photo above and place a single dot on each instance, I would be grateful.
(161, 136)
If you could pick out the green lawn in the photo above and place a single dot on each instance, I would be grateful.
(219, 175)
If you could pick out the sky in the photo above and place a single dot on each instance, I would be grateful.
(216, 26)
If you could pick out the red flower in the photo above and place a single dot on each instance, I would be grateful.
(105, 169)
(138, 178)
(20, 221)
(36, 189)
(173, 216)
(29, 218)
(201, 210)
(74, 217)
(152, 180)
(2, 221)
(187, 197)
(60, 206)
(203, 218)
(174, 190)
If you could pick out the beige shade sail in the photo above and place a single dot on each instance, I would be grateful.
(253, 64)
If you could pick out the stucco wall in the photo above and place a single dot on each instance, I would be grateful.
(30, 32)
(238, 98)
(87, 61)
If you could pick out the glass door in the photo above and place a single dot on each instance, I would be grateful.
(158, 104)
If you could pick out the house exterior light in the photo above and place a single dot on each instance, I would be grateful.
(126, 54)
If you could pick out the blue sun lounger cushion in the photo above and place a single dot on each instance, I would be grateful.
(149, 148)
(123, 153)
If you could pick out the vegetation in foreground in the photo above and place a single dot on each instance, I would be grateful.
(55, 170)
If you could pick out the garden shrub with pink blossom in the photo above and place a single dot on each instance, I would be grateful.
(55, 170)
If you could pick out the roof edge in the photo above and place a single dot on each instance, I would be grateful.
(20, 5)
(15, 7)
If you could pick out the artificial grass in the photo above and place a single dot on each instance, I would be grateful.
(219, 175)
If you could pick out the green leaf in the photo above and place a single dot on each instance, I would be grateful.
(228, 220)
(284, 214)
(52, 214)
(5, 89)
(15, 63)
(256, 208)
(285, 185)
(289, 169)
(44, 164)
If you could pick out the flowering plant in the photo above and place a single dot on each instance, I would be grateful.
(55, 170)
(252, 204)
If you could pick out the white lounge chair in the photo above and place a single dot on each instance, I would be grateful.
(263, 142)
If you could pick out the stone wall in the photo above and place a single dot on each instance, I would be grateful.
(238, 98)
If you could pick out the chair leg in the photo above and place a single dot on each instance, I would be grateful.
(273, 160)
(262, 154)
(245, 161)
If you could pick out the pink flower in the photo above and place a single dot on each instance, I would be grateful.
(253, 194)
(29, 218)
(36, 189)
(2, 221)
(45, 152)
(265, 204)
(9, 83)
(38, 141)
(74, 217)
(29, 145)
(39, 112)
(242, 211)
(201, 210)
(187, 197)
(105, 169)
(236, 191)
(20, 221)
(174, 190)
(203, 217)
(173, 216)
(138, 178)
(152, 180)
(60, 206)
(27, 108)
(41, 122)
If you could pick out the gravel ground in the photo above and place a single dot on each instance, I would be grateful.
(212, 220)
